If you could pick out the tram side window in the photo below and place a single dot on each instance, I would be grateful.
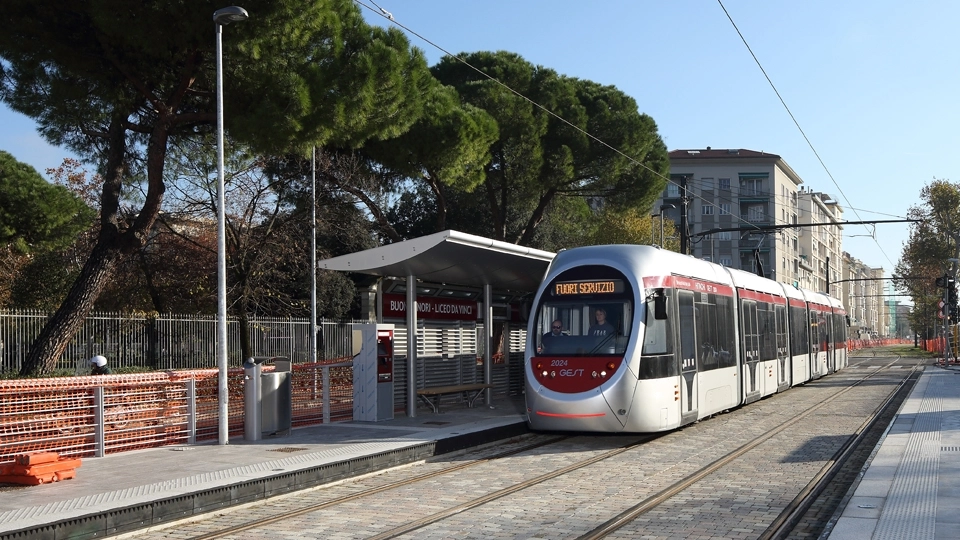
(781, 313)
(751, 344)
(799, 342)
(656, 336)
(767, 326)
(814, 331)
(841, 328)
(713, 341)
(726, 337)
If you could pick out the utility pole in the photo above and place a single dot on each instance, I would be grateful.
(683, 215)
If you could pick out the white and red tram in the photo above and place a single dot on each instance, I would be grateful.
(682, 339)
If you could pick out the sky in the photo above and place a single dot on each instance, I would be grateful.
(872, 85)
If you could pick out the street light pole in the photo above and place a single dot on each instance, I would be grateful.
(945, 310)
(222, 17)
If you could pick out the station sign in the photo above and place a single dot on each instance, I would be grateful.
(449, 309)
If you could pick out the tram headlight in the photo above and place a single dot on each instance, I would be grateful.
(553, 374)
(611, 366)
(544, 374)
(603, 373)
(594, 374)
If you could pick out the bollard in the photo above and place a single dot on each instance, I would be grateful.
(251, 400)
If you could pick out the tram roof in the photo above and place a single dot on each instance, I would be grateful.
(454, 258)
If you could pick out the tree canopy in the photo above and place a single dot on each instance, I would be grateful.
(113, 81)
(542, 156)
(934, 239)
(36, 215)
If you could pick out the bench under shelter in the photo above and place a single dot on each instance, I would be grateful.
(448, 264)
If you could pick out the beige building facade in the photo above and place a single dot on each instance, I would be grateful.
(741, 206)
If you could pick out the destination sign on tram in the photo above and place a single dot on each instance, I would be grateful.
(588, 286)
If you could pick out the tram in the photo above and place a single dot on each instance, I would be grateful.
(632, 338)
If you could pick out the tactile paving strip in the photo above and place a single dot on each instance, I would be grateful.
(911, 507)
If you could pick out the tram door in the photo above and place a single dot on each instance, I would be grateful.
(783, 379)
(688, 355)
(831, 342)
(751, 351)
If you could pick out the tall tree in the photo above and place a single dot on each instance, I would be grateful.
(594, 144)
(446, 149)
(36, 219)
(112, 81)
(35, 214)
(933, 240)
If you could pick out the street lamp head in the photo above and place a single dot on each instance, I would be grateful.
(667, 206)
(230, 14)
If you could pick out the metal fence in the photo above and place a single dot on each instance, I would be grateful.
(169, 341)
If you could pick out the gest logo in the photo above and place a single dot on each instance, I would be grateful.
(571, 372)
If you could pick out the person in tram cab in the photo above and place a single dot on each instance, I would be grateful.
(556, 330)
(601, 327)
(98, 366)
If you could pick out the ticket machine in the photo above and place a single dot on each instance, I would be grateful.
(373, 372)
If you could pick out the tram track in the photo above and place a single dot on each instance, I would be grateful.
(780, 528)
(790, 517)
(794, 511)
(263, 522)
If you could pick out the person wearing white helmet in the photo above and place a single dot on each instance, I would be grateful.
(98, 366)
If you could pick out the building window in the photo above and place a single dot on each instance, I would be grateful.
(673, 190)
(707, 209)
(724, 260)
(724, 183)
(724, 209)
(751, 186)
(725, 235)
(755, 214)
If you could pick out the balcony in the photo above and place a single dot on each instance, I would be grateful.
(747, 195)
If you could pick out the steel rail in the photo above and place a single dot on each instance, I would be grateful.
(373, 491)
(788, 519)
(635, 511)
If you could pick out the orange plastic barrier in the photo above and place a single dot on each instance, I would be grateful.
(36, 469)
(36, 459)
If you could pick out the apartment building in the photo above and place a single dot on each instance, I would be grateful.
(735, 190)
(820, 255)
(861, 291)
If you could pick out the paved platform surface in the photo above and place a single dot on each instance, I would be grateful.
(910, 488)
(132, 490)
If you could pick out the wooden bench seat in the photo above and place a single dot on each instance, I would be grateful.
(431, 396)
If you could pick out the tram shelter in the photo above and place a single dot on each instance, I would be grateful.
(450, 258)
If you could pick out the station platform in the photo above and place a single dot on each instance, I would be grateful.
(133, 490)
(910, 488)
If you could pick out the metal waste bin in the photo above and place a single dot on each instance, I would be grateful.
(267, 398)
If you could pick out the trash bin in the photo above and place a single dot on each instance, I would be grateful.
(268, 398)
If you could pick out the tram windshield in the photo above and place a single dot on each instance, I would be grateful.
(586, 311)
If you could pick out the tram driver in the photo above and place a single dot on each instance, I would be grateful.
(556, 331)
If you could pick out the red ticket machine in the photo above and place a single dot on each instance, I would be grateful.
(373, 372)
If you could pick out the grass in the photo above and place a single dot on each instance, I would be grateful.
(908, 350)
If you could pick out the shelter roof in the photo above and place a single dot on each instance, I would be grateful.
(451, 257)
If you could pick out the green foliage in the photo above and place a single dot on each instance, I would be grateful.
(36, 215)
(541, 157)
(933, 240)
(118, 82)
